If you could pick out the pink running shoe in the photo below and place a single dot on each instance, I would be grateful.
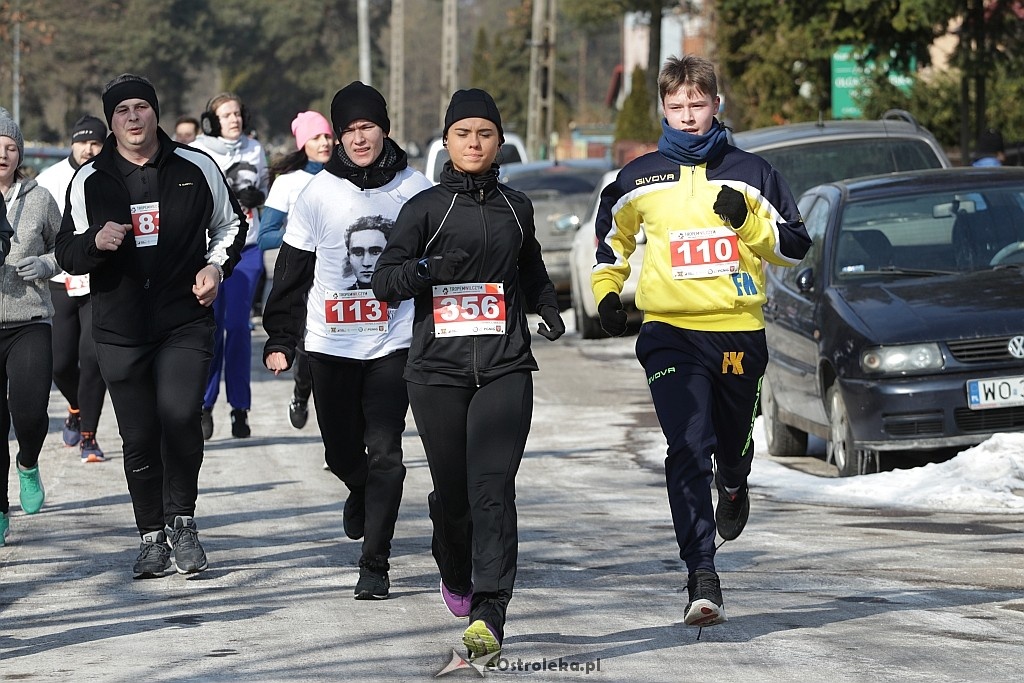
(457, 604)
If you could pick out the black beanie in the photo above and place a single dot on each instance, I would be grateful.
(132, 87)
(359, 101)
(88, 128)
(469, 104)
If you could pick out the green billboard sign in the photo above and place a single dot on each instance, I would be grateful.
(848, 80)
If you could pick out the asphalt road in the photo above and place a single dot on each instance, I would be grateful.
(813, 593)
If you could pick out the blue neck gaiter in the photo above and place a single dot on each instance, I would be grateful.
(691, 150)
(313, 167)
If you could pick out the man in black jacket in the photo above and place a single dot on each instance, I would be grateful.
(152, 321)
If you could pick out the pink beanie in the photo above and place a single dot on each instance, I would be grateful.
(307, 125)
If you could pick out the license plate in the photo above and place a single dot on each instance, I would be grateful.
(1002, 392)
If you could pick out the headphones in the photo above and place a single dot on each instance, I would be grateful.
(209, 121)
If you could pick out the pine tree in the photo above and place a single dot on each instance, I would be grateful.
(635, 122)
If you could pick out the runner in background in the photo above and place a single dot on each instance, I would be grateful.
(314, 141)
(76, 372)
(244, 163)
(26, 357)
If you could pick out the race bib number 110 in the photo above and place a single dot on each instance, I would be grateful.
(706, 252)
(467, 309)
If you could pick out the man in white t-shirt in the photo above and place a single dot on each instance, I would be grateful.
(340, 220)
(76, 371)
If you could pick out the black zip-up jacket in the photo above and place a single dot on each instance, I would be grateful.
(201, 223)
(493, 224)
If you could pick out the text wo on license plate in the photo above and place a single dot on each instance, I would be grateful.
(1001, 392)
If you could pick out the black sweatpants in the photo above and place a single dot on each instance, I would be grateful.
(705, 387)
(76, 372)
(26, 364)
(474, 440)
(361, 407)
(157, 393)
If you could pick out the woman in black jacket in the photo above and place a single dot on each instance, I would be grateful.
(466, 251)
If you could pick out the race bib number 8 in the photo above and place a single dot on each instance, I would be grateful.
(355, 312)
(468, 309)
(146, 224)
(705, 252)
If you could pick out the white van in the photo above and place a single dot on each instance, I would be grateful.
(513, 150)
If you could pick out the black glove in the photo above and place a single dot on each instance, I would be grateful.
(613, 318)
(250, 197)
(441, 268)
(552, 328)
(731, 206)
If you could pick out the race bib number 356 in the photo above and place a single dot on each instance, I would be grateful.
(467, 309)
(146, 224)
(355, 312)
(705, 252)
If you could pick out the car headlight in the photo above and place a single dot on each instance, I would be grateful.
(907, 358)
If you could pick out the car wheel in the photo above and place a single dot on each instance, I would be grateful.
(842, 451)
(780, 438)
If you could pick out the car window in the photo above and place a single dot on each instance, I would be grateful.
(804, 166)
(938, 231)
(568, 182)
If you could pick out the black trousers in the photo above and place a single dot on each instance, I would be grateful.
(705, 387)
(26, 364)
(157, 393)
(361, 407)
(474, 440)
(76, 372)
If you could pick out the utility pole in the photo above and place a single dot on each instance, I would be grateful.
(363, 21)
(540, 104)
(16, 64)
(396, 98)
(449, 54)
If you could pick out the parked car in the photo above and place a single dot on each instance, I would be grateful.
(582, 259)
(513, 151)
(559, 191)
(808, 154)
(903, 327)
(40, 157)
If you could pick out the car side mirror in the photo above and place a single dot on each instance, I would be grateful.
(805, 280)
(568, 222)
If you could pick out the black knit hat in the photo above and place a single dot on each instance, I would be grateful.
(359, 101)
(88, 128)
(990, 142)
(472, 103)
(128, 87)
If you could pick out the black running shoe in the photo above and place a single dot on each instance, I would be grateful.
(732, 510)
(183, 537)
(206, 418)
(154, 556)
(705, 607)
(240, 424)
(372, 585)
(353, 519)
(298, 412)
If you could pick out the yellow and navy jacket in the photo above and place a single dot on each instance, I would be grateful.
(673, 204)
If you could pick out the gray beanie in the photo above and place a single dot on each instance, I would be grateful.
(9, 128)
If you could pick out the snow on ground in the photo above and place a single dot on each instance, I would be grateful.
(986, 478)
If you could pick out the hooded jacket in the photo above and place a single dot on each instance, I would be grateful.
(492, 223)
(200, 224)
(35, 218)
